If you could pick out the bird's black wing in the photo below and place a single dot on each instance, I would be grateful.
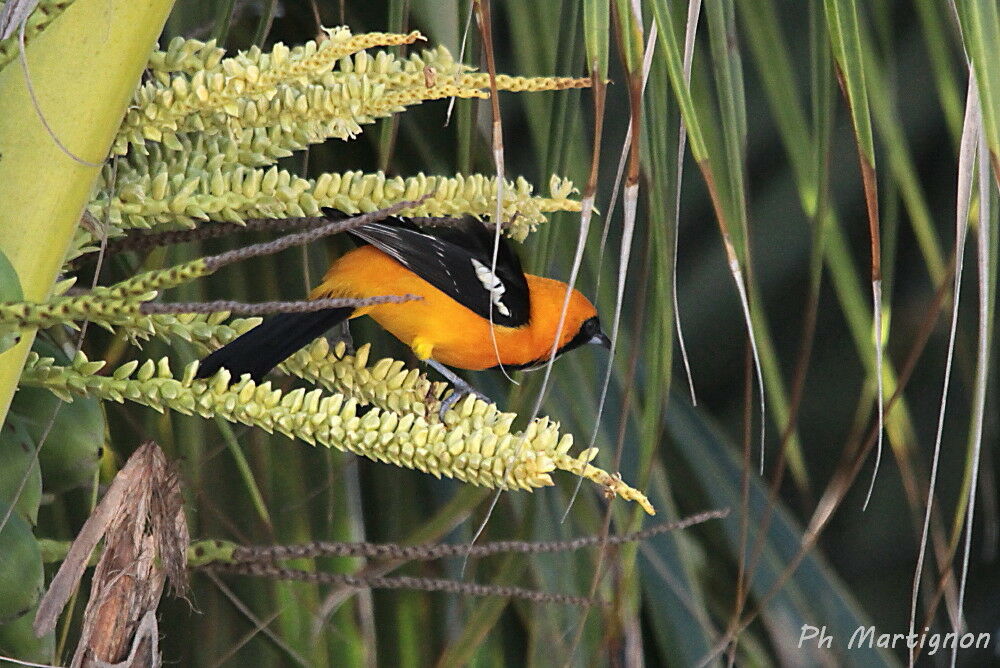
(268, 344)
(457, 260)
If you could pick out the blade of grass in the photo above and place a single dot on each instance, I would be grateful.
(937, 39)
(690, 31)
(986, 265)
(759, 19)
(586, 211)
(398, 13)
(966, 161)
(980, 24)
(484, 21)
(854, 456)
(596, 31)
(903, 171)
(728, 71)
(845, 38)
(774, 383)
(246, 473)
(668, 41)
(670, 584)
(673, 597)
(463, 648)
(628, 43)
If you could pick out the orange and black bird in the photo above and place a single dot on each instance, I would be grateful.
(449, 267)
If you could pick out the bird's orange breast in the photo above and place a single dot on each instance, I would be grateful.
(437, 326)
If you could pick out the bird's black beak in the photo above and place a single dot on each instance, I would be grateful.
(601, 339)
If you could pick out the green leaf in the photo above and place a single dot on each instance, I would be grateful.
(845, 38)
(728, 69)
(671, 45)
(17, 639)
(595, 34)
(21, 576)
(814, 594)
(10, 285)
(72, 450)
(672, 592)
(980, 21)
(10, 291)
(630, 32)
(17, 452)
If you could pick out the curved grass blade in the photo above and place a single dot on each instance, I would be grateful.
(980, 24)
(668, 42)
(849, 55)
(966, 159)
(986, 261)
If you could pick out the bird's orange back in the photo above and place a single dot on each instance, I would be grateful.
(438, 326)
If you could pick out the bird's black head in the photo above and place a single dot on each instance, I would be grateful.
(589, 333)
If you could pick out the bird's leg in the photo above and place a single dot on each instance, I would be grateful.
(460, 390)
(341, 332)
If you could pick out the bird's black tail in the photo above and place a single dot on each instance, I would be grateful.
(268, 344)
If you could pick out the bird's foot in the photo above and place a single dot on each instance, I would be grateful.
(460, 389)
(457, 394)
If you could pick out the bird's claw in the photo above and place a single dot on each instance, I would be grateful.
(460, 389)
(457, 394)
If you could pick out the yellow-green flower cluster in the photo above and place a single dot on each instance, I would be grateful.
(474, 445)
(386, 383)
(186, 55)
(185, 190)
(295, 95)
(118, 304)
(181, 192)
(267, 69)
(205, 331)
(184, 96)
(218, 124)
(66, 310)
(187, 96)
(260, 148)
(44, 13)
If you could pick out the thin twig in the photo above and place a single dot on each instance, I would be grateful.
(402, 582)
(427, 552)
(247, 637)
(265, 308)
(212, 230)
(215, 262)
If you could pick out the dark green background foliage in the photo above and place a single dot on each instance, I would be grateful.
(673, 595)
